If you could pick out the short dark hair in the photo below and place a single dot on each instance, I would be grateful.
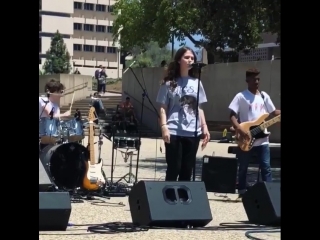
(100, 66)
(127, 98)
(53, 86)
(252, 72)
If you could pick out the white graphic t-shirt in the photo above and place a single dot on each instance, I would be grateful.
(181, 106)
(50, 105)
(249, 107)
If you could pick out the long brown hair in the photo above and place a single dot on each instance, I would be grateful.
(173, 70)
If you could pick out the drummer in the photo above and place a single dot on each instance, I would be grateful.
(54, 90)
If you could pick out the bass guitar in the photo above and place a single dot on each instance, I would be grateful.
(255, 130)
(93, 179)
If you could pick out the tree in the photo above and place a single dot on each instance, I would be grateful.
(57, 57)
(233, 23)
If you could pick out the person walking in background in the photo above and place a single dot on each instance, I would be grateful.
(102, 81)
(96, 76)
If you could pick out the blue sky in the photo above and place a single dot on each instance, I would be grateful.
(187, 41)
(189, 44)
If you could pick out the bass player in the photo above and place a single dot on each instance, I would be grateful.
(248, 105)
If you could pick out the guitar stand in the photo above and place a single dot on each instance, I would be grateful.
(131, 177)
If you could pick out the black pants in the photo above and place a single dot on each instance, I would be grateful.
(102, 88)
(96, 106)
(181, 155)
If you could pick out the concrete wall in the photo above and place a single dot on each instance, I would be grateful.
(221, 83)
(81, 84)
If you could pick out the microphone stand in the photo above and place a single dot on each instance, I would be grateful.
(197, 66)
(144, 95)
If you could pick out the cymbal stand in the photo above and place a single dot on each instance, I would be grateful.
(128, 155)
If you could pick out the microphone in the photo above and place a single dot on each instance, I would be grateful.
(198, 65)
(51, 113)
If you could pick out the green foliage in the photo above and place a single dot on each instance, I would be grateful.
(57, 57)
(233, 23)
(152, 56)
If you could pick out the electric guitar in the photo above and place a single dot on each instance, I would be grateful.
(255, 130)
(93, 179)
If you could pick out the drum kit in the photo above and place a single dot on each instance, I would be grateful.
(61, 151)
(65, 158)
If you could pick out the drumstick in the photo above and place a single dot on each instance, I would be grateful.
(72, 100)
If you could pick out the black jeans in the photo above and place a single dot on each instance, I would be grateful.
(181, 155)
(102, 88)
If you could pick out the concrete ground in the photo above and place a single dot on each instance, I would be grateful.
(152, 166)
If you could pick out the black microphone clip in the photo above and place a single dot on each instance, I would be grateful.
(198, 65)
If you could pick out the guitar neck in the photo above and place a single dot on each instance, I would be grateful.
(91, 144)
(269, 123)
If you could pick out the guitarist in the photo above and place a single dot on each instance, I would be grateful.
(248, 105)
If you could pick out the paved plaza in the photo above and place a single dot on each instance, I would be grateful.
(224, 210)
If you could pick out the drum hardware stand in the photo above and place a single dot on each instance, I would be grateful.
(128, 155)
(144, 95)
(197, 66)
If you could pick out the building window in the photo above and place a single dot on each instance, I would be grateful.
(88, 27)
(88, 48)
(100, 8)
(100, 49)
(100, 28)
(77, 47)
(77, 5)
(77, 26)
(109, 29)
(40, 61)
(88, 6)
(110, 8)
(40, 45)
(40, 23)
(111, 50)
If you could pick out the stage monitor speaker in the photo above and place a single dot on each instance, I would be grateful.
(219, 174)
(262, 204)
(54, 211)
(169, 204)
(44, 180)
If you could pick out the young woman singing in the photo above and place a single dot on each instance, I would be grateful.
(178, 110)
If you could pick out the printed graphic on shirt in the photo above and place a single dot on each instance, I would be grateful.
(256, 107)
(188, 102)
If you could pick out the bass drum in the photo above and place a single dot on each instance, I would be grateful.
(65, 164)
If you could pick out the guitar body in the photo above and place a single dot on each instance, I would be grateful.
(93, 179)
(246, 145)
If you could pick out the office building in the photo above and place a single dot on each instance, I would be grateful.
(86, 26)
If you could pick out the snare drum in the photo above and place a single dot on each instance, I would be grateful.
(65, 164)
(126, 142)
(72, 130)
(49, 130)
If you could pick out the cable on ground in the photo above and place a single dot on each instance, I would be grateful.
(248, 233)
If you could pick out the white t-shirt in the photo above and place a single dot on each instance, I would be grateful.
(50, 105)
(249, 107)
